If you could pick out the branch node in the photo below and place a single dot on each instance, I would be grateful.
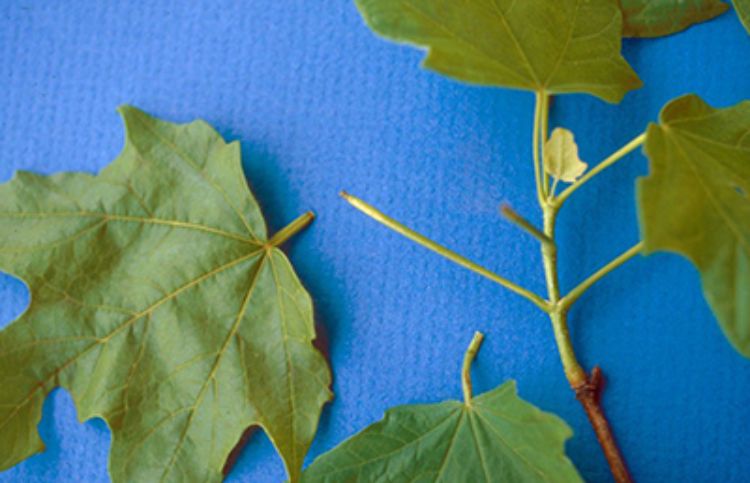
(591, 390)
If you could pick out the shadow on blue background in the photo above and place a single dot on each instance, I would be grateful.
(321, 105)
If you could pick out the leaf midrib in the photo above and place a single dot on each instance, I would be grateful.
(188, 159)
(564, 50)
(404, 444)
(136, 317)
(289, 367)
(474, 431)
(217, 362)
(517, 44)
(708, 140)
(132, 219)
(475, 47)
(512, 448)
(454, 436)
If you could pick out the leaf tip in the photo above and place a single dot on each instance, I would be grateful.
(129, 114)
(352, 200)
(128, 110)
(506, 210)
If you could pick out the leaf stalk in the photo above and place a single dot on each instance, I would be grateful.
(543, 136)
(471, 353)
(291, 229)
(615, 157)
(537, 147)
(420, 239)
(576, 293)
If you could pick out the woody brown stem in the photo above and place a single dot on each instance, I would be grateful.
(588, 389)
(589, 395)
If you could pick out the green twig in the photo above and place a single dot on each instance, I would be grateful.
(587, 388)
(573, 370)
(394, 225)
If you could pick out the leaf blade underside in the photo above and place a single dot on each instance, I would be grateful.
(499, 437)
(655, 18)
(157, 304)
(553, 46)
(695, 202)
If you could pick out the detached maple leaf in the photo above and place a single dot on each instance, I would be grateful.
(159, 303)
(494, 437)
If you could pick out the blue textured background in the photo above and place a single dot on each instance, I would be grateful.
(320, 104)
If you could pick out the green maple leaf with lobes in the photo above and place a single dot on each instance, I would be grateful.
(494, 437)
(552, 46)
(159, 303)
(696, 202)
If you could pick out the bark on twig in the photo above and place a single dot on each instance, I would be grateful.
(589, 395)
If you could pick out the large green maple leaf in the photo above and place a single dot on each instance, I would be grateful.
(654, 18)
(159, 303)
(696, 202)
(494, 437)
(553, 46)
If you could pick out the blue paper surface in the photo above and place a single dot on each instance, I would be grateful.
(321, 105)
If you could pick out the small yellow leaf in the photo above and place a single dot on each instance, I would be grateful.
(561, 159)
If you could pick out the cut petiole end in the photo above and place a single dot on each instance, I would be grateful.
(469, 357)
(367, 209)
(524, 224)
(291, 229)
